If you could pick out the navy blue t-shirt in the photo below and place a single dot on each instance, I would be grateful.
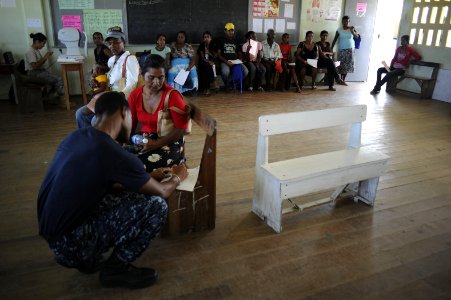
(86, 165)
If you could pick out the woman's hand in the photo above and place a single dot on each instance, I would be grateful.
(180, 171)
(150, 145)
(161, 173)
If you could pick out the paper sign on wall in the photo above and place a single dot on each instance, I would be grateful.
(70, 21)
(101, 19)
(257, 25)
(269, 24)
(360, 9)
(8, 3)
(76, 4)
(34, 23)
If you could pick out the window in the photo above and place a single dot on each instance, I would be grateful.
(430, 25)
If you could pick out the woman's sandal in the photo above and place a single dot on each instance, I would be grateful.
(342, 82)
(313, 87)
(331, 88)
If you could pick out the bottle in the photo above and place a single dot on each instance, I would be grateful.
(138, 139)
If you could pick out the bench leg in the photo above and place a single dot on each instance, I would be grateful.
(367, 191)
(267, 203)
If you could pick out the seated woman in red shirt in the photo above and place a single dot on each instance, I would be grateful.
(145, 103)
(403, 55)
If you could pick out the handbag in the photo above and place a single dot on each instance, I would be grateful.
(165, 124)
(140, 77)
(357, 41)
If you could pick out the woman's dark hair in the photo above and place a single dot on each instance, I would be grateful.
(207, 32)
(38, 37)
(97, 33)
(345, 18)
(109, 103)
(285, 34)
(249, 34)
(152, 61)
(184, 33)
(323, 32)
(308, 32)
(406, 38)
(160, 35)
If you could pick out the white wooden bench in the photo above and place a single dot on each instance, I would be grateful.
(354, 170)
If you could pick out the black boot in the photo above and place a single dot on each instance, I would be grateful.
(116, 273)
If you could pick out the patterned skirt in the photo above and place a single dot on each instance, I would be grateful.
(346, 58)
(166, 156)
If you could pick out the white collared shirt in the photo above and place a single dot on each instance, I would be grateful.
(131, 73)
(271, 52)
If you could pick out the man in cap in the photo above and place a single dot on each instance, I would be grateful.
(229, 50)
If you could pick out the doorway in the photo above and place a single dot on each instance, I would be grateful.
(385, 35)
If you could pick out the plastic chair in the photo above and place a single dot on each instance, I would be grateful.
(237, 76)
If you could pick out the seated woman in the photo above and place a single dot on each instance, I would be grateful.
(161, 49)
(145, 104)
(307, 50)
(34, 65)
(182, 58)
(101, 52)
(326, 61)
(285, 48)
(253, 61)
(122, 77)
(207, 69)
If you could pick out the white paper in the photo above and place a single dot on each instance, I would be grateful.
(8, 3)
(34, 23)
(236, 61)
(190, 182)
(337, 63)
(386, 66)
(285, 0)
(280, 25)
(291, 25)
(257, 25)
(288, 11)
(312, 62)
(181, 77)
(269, 24)
(292, 64)
(254, 47)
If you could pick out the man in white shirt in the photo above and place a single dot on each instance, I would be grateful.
(271, 56)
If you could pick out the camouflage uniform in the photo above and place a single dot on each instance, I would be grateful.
(126, 221)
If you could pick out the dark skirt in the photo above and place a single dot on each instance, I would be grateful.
(166, 156)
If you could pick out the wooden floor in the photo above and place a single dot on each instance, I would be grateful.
(400, 249)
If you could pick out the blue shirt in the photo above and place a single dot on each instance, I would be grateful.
(345, 39)
(86, 165)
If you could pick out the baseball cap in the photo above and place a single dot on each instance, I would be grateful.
(115, 33)
(229, 26)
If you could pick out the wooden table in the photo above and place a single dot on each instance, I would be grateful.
(73, 66)
(9, 69)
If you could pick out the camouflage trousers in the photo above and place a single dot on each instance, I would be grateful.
(126, 221)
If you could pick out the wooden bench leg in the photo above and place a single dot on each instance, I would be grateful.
(367, 190)
(267, 203)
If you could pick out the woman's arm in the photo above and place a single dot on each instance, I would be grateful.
(38, 64)
(335, 39)
(298, 54)
(131, 75)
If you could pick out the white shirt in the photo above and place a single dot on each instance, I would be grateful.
(127, 84)
(271, 52)
(31, 56)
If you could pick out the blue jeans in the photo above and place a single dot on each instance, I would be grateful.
(84, 119)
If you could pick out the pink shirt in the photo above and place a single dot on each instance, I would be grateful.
(252, 57)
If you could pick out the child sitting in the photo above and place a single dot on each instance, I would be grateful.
(99, 83)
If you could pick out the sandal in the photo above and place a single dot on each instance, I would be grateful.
(342, 82)
(313, 87)
(331, 88)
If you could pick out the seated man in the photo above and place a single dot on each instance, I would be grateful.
(272, 60)
(227, 51)
(403, 55)
(81, 216)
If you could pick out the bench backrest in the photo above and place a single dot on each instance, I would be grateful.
(424, 69)
(307, 120)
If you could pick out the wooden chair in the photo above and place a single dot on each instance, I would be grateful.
(195, 211)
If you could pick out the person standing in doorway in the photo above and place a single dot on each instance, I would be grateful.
(346, 47)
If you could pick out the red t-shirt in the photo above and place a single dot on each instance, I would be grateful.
(285, 49)
(148, 120)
